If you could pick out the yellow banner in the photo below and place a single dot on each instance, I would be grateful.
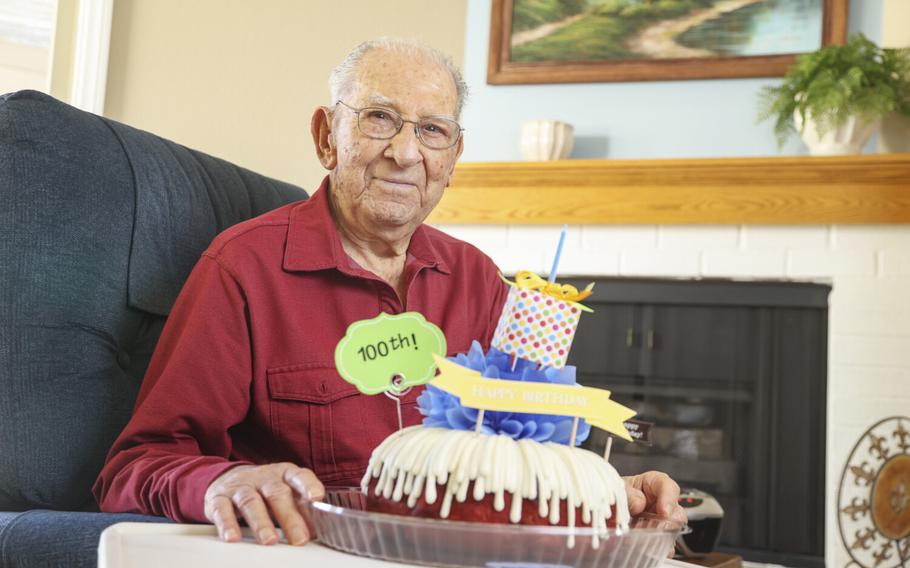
(475, 391)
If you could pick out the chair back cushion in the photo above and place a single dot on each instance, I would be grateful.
(100, 224)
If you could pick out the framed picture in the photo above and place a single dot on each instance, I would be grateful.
(581, 41)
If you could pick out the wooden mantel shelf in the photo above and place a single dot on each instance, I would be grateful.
(794, 190)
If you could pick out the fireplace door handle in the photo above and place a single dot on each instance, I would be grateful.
(649, 339)
(630, 337)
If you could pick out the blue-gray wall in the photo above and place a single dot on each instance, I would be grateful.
(672, 119)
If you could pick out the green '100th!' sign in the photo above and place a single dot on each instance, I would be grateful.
(374, 352)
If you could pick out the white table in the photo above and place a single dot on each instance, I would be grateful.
(150, 545)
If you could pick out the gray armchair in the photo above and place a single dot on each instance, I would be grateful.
(100, 224)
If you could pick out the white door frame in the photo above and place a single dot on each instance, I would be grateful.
(93, 41)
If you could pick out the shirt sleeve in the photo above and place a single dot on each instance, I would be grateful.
(196, 388)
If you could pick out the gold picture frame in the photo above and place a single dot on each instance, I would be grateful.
(501, 70)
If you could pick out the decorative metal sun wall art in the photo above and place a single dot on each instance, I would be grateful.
(873, 500)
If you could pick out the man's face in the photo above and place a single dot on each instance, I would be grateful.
(395, 183)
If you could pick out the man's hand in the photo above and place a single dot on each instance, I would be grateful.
(654, 492)
(264, 495)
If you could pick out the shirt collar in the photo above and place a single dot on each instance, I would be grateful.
(314, 244)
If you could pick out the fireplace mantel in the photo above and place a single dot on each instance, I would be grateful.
(867, 189)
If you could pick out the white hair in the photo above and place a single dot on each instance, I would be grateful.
(342, 78)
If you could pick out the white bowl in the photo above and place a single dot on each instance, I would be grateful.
(543, 140)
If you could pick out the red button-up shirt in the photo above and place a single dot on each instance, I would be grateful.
(244, 370)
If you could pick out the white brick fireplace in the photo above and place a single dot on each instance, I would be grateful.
(868, 266)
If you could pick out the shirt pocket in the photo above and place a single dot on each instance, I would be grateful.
(327, 423)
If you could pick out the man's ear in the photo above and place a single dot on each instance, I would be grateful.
(323, 138)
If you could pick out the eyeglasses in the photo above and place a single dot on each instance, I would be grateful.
(434, 132)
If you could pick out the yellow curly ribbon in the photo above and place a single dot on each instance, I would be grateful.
(527, 280)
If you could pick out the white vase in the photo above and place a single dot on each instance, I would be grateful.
(849, 138)
(546, 140)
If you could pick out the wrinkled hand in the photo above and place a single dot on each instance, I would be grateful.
(654, 492)
(263, 495)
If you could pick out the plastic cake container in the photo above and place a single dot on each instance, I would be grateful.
(341, 522)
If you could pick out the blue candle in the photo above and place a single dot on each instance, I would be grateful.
(562, 241)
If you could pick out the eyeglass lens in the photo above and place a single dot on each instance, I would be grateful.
(435, 132)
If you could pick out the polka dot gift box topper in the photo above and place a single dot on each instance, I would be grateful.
(538, 323)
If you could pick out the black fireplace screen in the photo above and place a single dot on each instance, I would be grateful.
(733, 374)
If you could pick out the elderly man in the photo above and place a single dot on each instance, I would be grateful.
(242, 414)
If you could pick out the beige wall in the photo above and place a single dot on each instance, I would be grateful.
(240, 79)
(895, 132)
(23, 67)
(896, 23)
(64, 49)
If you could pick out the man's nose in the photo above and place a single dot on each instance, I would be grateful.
(404, 147)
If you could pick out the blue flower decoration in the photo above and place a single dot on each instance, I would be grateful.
(443, 410)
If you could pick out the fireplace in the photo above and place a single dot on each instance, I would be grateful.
(867, 266)
(733, 375)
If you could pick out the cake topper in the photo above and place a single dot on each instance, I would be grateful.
(442, 409)
(389, 353)
(537, 326)
(475, 391)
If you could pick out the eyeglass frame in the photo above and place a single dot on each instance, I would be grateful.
(416, 124)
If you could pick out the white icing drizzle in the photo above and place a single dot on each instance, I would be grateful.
(411, 462)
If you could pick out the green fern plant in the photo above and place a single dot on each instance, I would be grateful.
(836, 82)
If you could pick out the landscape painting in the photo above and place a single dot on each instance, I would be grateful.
(544, 41)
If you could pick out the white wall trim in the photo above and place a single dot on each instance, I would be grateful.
(93, 40)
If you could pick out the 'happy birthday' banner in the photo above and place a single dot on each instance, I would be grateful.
(592, 404)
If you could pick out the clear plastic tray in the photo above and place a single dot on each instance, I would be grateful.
(341, 522)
